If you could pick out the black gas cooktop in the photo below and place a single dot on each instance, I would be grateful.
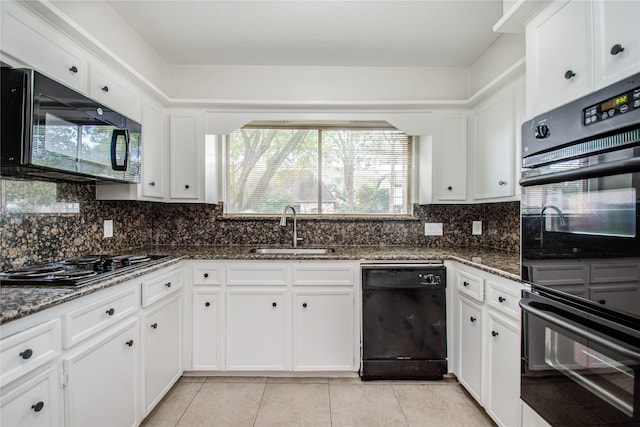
(79, 271)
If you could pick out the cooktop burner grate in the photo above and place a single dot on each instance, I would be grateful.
(78, 271)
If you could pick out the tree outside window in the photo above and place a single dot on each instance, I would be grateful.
(318, 170)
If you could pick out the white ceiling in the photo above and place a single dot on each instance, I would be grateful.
(314, 32)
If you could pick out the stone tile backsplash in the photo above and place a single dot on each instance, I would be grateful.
(42, 234)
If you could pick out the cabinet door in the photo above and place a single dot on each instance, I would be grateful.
(616, 25)
(616, 285)
(162, 349)
(469, 335)
(36, 402)
(34, 44)
(185, 169)
(494, 147)
(103, 380)
(256, 331)
(323, 331)
(625, 298)
(503, 386)
(110, 88)
(566, 276)
(206, 335)
(152, 149)
(452, 158)
(559, 55)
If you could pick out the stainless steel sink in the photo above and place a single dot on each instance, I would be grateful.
(292, 251)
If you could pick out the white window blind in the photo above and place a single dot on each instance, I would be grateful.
(319, 170)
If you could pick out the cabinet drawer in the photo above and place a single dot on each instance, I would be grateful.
(257, 274)
(27, 350)
(207, 274)
(90, 319)
(155, 289)
(471, 285)
(325, 274)
(504, 298)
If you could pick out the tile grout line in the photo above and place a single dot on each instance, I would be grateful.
(395, 394)
(190, 402)
(329, 393)
(264, 389)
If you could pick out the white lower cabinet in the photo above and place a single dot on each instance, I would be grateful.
(206, 330)
(323, 331)
(104, 359)
(35, 402)
(162, 328)
(266, 316)
(487, 344)
(102, 379)
(503, 379)
(256, 330)
(469, 337)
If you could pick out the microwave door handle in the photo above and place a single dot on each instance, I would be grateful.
(558, 321)
(114, 145)
(594, 171)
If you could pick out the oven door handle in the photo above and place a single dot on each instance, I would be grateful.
(558, 321)
(594, 171)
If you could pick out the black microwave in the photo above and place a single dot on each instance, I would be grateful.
(52, 132)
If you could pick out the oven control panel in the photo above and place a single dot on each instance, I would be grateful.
(619, 104)
(605, 113)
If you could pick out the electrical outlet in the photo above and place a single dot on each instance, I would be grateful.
(108, 228)
(476, 228)
(433, 229)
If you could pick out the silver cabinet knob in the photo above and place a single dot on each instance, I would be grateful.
(501, 182)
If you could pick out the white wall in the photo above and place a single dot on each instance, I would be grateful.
(312, 83)
(251, 85)
(503, 53)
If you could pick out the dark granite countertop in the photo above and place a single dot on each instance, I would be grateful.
(20, 301)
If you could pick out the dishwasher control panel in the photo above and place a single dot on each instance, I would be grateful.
(430, 278)
(403, 276)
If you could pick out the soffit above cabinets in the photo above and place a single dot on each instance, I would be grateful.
(314, 33)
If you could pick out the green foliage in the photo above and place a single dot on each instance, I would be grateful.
(372, 200)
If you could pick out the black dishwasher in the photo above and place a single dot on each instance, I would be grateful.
(404, 333)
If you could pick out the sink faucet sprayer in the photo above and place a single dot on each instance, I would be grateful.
(283, 223)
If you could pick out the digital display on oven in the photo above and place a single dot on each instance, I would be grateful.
(605, 110)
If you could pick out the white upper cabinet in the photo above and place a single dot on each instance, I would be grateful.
(112, 90)
(577, 46)
(29, 42)
(187, 155)
(152, 181)
(451, 149)
(559, 55)
(496, 139)
(617, 38)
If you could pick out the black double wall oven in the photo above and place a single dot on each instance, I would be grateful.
(580, 220)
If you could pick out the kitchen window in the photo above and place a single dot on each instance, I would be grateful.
(320, 170)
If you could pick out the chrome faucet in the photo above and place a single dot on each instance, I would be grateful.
(563, 220)
(283, 223)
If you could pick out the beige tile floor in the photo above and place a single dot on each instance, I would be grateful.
(284, 402)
